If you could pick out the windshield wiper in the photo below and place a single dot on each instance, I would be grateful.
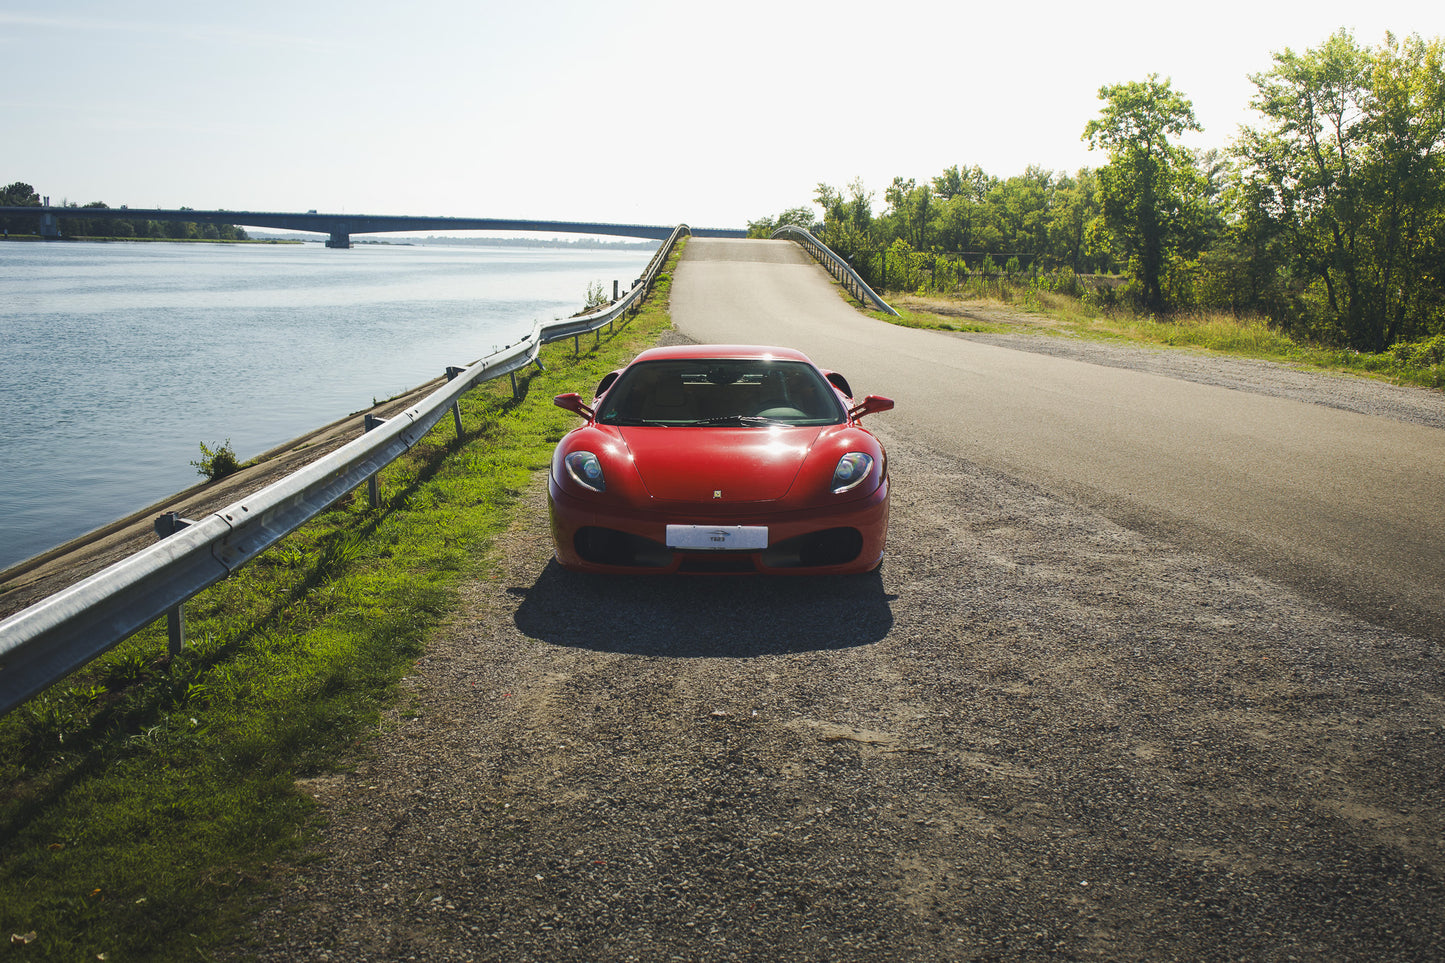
(636, 423)
(750, 421)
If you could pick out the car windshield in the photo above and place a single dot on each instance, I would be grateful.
(725, 392)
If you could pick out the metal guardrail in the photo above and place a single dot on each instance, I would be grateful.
(841, 270)
(42, 644)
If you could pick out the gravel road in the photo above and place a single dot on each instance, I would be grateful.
(1033, 735)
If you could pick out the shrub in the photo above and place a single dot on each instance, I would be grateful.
(597, 295)
(1422, 354)
(218, 462)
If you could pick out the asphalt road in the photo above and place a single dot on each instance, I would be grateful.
(1348, 508)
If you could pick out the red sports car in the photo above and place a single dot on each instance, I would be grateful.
(720, 458)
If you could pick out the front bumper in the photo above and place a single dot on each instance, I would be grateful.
(841, 539)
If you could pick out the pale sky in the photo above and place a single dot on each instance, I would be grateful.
(638, 111)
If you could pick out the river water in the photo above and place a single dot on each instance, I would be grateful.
(118, 360)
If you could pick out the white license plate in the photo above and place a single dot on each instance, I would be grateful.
(718, 538)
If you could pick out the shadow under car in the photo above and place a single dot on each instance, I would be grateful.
(683, 617)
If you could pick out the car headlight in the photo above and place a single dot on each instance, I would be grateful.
(852, 469)
(586, 470)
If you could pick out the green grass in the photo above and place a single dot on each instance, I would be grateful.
(1416, 364)
(910, 318)
(147, 799)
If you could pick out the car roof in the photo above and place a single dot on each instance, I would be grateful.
(722, 351)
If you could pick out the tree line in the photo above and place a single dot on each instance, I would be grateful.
(1327, 217)
(91, 220)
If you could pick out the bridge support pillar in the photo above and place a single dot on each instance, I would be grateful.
(339, 239)
(49, 226)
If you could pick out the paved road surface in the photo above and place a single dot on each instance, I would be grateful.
(1347, 507)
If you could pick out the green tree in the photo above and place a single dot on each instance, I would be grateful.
(1349, 165)
(1241, 270)
(949, 184)
(910, 208)
(1144, 183)
(19, 194)
(959, 213)
(89, 225)
(1021, 207)
(795, 216)
(897, 193)
(967, 182)
(847, 220)
(1076, 211)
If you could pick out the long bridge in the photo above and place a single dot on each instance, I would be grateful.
(340, 227)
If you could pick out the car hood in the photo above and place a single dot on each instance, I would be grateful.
(718, 465)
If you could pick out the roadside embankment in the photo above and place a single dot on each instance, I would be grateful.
(45, 574)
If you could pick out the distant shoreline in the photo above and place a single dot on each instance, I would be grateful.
(540, 242)
(150, 240)
(558, 244)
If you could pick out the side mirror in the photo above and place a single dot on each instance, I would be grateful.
(870, 405)
(572, 401)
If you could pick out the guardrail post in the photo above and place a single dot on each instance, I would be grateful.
(452, 372)
(372, 421)
(167, 525)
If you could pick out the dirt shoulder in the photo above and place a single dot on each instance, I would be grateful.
(1034, 734)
